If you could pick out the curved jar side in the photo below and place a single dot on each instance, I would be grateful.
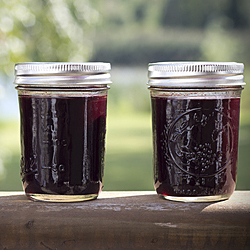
(195, 135)
(62, 144)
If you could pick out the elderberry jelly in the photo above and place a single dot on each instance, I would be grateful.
(63, 126)
(195, 121)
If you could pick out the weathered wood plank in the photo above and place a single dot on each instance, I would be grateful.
(124, 220)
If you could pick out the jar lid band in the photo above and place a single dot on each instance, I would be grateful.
(44, 68)
(62, 73)
(195, 74)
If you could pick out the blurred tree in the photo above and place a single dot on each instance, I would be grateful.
(128, 31)
(236, 12)
(45, 30)
(136, 32)
(192, 14)
(175, 13)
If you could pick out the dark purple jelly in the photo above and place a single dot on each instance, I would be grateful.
(195, 146)
(62, 144)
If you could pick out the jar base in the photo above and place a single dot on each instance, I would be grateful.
(211, 198)
(61, 198)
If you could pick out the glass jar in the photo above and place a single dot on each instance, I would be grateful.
(195, 119)
(63, 126)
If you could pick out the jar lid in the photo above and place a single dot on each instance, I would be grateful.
(195, 74)
(62, 73)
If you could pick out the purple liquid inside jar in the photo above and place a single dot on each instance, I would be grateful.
(195, 133)
(62, 144)
(196, 145)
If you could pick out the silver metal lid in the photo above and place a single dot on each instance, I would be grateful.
(195, 74)
(62, 74)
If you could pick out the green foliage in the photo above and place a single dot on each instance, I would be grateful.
(122, 32)
(45, 30)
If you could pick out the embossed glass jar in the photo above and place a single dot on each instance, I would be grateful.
(63, 126)
(195, 118)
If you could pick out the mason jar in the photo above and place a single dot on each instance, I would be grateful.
(195, 121)
(63, 124)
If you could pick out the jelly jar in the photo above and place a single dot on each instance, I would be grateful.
(195, 122)
(63, 126)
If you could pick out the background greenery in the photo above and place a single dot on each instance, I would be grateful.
(129, 34)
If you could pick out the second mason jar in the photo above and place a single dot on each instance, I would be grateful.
(63, 125)
(195, 117)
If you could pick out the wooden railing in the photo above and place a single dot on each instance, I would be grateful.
(124, 220)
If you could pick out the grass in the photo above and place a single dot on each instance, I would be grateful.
(129, 152)
(9, 156)
(243, 158)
